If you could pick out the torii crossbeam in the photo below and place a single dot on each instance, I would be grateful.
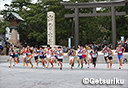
(93, 5)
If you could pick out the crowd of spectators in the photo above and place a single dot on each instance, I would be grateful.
(99, 47)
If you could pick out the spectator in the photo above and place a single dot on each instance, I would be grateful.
(7, 50)
(64, 49)
(1, 47)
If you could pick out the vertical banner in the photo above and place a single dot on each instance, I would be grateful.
(69, 42)
(122, 38)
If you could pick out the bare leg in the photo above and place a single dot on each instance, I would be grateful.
(10, 61)
(81, 62)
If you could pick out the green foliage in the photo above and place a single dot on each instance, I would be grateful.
(34, 29)
(3, 25)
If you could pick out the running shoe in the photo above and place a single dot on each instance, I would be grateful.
(36, 67)
(32, 66)
(46, 62)
(94, 67)
(44, 66)
(110, 67)
(121, 65)
(26, 64)
(23, 64)
(107, 65)
(78, 65)
(60, 68)
(88, 66)
(47, 66)
(17, 62)
(52, 66)
(14, 65)
(71, 68)
(10, 66)
(81, 67)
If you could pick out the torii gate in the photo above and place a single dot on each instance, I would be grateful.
(93, 5)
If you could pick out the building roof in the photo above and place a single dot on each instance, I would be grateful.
(14, 15)
(94, 4)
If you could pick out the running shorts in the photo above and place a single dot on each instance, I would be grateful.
(36, 58)
(94, 60)
(110, 58)
(106, 58)
(55, 56)
(60, 60)
(89, 56)
(81, 57)
(13, 56)
(120, 56)
(84, 56)
(42, 57)
(16, 55)
(71, 57)
(29, 56)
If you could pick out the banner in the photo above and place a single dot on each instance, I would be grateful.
(69, 42)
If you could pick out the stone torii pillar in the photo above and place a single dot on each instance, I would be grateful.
(51, 28)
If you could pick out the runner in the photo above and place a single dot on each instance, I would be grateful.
(16, 54)
(29, 55)
(55, 54)
(105, 51)
(71, 54)
(12, 55)
(119, 51)
(80, 57)
(52, 58)
(89, 55)
(60, 57)
(110, 53)
(84, 54)
(23, 51)
(48, 56)
(94, 55)
(36, 53)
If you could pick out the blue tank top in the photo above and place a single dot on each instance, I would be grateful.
(41, 53)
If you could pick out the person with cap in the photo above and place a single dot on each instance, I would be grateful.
(119, 51)
(29, 55)
(60, 57)
(71, 53)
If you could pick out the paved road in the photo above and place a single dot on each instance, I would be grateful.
(25, 77)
